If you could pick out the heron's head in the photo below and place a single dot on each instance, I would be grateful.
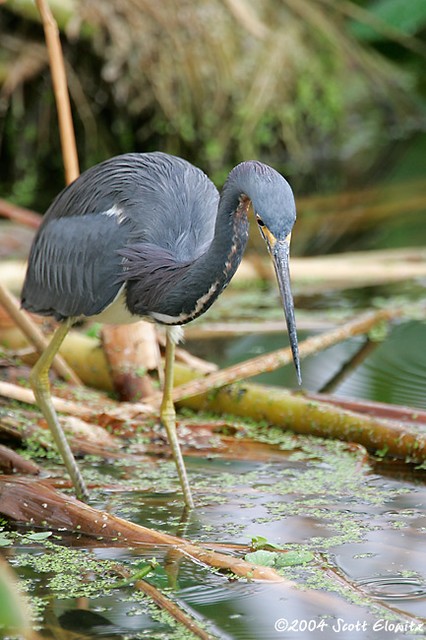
(275, 213)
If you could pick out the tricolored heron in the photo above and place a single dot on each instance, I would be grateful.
(147, 235)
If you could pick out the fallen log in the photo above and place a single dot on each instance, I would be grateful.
(399, 413)
(126, 347)
(37, 504)
(302, 415)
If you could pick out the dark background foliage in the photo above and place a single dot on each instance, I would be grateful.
(328, 91)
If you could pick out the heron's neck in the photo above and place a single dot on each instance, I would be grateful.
(231, 229)
(201, 282)
(179, 293)
(224, 255)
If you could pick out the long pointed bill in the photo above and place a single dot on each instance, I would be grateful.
(280, 252)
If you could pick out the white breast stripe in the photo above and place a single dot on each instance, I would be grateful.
(185, 317)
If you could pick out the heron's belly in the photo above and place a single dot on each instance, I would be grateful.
(117, 312)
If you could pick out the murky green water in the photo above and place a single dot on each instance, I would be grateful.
(366, 531)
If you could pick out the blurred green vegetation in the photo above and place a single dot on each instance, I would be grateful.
(321, 89)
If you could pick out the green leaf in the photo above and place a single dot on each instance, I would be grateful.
(38, 537)
(292, 558)
(379, 332)
(260, 542)
(143, 570)
(407, 17)
(4, 540)
(264, 558)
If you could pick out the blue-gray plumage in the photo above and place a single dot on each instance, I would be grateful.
(156, 224)
(75, 268)
(149, 232)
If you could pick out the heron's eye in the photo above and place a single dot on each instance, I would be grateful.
(260, 222)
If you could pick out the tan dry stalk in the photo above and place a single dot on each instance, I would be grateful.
(60, 88)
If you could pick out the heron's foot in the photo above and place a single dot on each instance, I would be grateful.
(168, 420)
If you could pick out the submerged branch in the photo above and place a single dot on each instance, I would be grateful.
(28, 501)
(350, 365)
(171, 607)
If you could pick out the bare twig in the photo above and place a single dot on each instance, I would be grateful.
(19, 214)
(33, 333)
(60, 88)
(229, 329)
(271, 361)
(123, 410)
(16, 392)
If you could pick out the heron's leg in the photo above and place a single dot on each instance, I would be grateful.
(160, 368)
(168, 418)
(39, 379)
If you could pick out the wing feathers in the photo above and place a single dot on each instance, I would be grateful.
(74, 266)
